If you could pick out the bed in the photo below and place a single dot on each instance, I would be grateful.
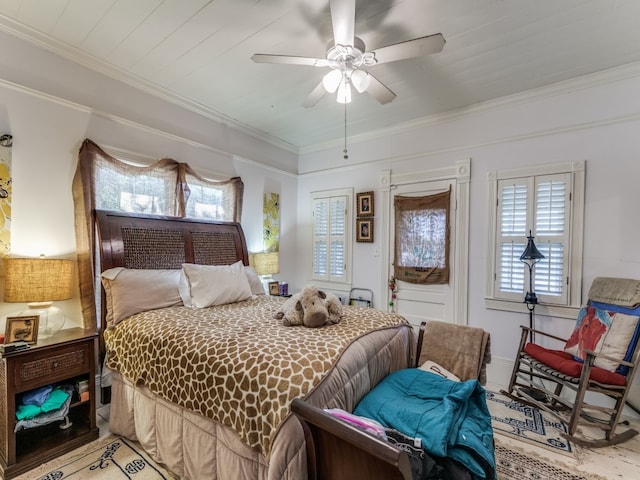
(207, 390)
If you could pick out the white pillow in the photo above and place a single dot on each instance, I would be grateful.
(129, 291)
(617, 340)
(208, 285)
(254, 281)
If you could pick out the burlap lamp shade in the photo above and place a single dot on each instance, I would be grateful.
(265, 263)
(39, 282)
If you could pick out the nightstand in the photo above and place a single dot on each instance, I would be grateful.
(65, 358)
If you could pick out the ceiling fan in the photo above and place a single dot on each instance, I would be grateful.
(349, 60)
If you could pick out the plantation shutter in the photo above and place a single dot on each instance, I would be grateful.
(552, 208)
(320, 235)
(540, 204)
(512, 218)
(336, 259)
(329, 239)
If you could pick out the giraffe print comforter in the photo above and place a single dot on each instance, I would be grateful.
(234, 363)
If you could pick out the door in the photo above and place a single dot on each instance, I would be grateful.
(425, 302)
(416, 302)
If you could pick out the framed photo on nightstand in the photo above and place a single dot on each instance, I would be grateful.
(22, 328)
(274, 288)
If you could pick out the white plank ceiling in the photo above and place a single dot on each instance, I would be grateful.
(200, 51)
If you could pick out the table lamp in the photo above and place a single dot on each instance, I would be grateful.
(530, 257)
(265, 264)
(39, 282)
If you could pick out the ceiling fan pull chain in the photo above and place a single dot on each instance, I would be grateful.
(346, 156)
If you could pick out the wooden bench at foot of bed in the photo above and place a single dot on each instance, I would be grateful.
(339, 451)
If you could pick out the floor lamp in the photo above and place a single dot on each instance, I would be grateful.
(530, 257)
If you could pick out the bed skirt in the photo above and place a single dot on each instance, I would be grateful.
(195, 447)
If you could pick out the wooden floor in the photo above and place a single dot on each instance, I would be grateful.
(102, 420)
(617, 462)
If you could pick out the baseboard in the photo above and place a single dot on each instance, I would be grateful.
(499, 372)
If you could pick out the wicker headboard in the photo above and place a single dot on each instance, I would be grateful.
(152, 241)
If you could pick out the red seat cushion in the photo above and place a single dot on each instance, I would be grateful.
(563, 362)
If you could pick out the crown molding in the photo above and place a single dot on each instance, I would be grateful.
(603, 77)
(80, 57)
(136, 157)
(75, 55)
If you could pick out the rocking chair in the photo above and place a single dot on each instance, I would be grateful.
(599, 359)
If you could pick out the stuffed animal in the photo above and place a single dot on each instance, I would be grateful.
(311, 307)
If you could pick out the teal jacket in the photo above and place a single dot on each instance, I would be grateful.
(450, 418)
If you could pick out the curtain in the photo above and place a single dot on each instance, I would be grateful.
(165, 188)
(422, 239)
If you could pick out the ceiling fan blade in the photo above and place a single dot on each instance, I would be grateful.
(343, 19)
(315, 96)
(379, 90)
(417, 47)
(289, 59)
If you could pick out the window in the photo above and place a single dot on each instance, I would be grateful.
(165, 188)
(548, 202)
(422, 238)
(121, 190)
(331, 235)
(210, 200)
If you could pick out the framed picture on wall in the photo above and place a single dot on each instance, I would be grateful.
(364, 230)
(364, 207)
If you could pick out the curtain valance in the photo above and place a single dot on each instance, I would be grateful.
(422, 238)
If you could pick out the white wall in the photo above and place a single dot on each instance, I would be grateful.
(595, 118)
(51, 105)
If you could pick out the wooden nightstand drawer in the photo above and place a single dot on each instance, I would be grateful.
(67, 362)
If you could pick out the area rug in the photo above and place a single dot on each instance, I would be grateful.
(114, 458)
(527, 424)
(108, 458)
(515, 464)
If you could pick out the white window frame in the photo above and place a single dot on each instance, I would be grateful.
(327, 281)
(569, 303)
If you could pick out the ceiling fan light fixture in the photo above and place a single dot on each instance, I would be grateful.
(344, 92)
(360, 80)
(332, 80)
(346, 54)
